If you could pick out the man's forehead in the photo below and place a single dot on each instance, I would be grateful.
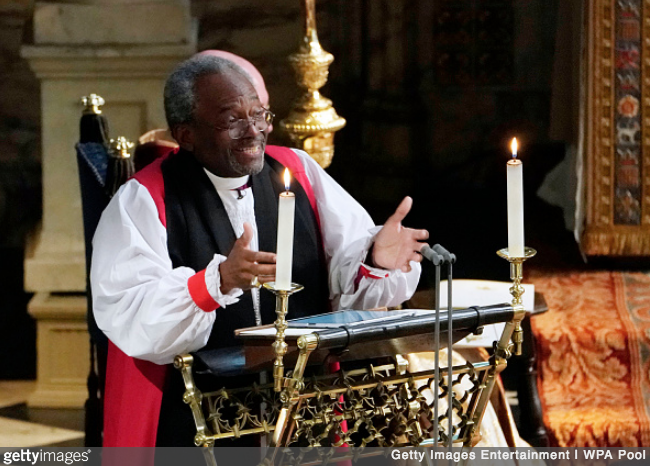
(227, 91)
(238, 102)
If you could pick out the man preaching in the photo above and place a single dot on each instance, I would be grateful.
(181, 248)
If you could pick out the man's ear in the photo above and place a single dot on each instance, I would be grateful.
(184, 135)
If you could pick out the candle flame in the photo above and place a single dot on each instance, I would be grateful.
(287, 179)
(513, 147)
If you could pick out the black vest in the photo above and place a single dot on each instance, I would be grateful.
(198, 227)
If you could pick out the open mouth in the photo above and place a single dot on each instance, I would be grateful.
(251, 150)
(256, 150)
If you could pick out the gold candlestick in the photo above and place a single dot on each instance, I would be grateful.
(279, 345)
(516, 275)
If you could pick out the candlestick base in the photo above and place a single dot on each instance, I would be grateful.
(279, 345)
(528, 253)
(295, 287)
(516, 275)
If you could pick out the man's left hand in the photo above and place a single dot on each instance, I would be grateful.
(395, 245)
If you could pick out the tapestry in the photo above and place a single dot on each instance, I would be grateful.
(627, 205)
(593, 354)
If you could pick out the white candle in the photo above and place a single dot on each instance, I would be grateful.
(286, 214)
(515, 204)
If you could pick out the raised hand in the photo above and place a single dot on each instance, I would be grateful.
(395, 245)
(243, 265)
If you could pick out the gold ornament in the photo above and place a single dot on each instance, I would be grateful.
(312, 122)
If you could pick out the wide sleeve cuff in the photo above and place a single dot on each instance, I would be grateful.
(205, 287)
(365, 270)
(213, 283)
(199, 292)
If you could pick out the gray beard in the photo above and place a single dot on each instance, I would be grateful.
(241, 170)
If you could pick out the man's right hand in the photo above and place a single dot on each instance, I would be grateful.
(243, 265)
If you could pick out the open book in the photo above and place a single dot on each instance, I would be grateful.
(304, 325)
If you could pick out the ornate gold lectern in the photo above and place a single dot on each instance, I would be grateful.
(383, 403)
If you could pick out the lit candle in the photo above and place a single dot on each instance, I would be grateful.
(286, 213)
(515, 204)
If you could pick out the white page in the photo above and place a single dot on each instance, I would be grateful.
(466, 293)
(290, 332)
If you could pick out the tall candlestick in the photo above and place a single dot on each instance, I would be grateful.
(286, 214)
(515, 204)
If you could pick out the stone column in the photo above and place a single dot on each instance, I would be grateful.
(124, 53)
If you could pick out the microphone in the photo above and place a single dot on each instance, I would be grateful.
(437, 254)
(447, 256)
(430, 254)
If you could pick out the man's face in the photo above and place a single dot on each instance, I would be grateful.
(220, 99)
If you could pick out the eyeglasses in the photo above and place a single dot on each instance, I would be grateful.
(238, 128)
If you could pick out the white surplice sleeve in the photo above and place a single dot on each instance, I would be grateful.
(348, 232)
(140, 301)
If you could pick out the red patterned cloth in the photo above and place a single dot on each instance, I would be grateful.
(593, 348)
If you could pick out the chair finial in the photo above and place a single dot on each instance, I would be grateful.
(121, 147)
(92, 103)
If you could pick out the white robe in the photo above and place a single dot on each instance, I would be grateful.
(143, 305)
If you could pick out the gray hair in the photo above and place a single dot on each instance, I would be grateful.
(180, 98)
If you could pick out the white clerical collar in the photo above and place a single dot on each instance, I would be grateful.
(227, 183)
